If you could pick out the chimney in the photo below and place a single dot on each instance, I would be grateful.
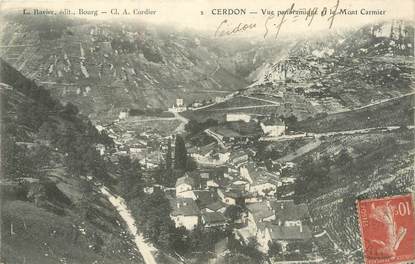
(301, 228)
(178, 205)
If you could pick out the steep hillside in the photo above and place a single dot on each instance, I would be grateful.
(51, 209)
(349, 69)
(398, 112)
(105, 67)
(350, 168)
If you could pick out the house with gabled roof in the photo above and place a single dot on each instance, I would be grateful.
(284, 235)
(237, 131)
(184, 212)
(185, 186)
(210, 154)
(238, 158)
(212, 176)
(233, 117)
(205, 197)
(213, 219)
(233, 196)
(217, 206)
(258, 213)
(262, 182)
(287, 213)
(273, 127)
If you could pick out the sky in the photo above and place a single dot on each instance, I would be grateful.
(185, 14)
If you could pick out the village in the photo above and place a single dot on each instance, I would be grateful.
(229, 188)
(141, 142)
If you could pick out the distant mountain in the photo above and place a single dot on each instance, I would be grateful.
(392, 38)
(52, 211)
(356, 67)
(105, 67)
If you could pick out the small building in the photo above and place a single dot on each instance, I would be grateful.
(232, 117)
(205, 197)
(136, 153)
(211, 176)
(185, 186)
(273, 127)
(100, 148)
(217, 206)
(233, 196)
(213, 219)
(258, 213)
(178, 106)
(219, 99)
(289, 214)
(149, 190)
(238, 131)
(209, 154)
(283, 235)
(262, 182)
(238, 158)
(222, 155)
(240, 184)
(184, 212)
(123, 115)
(179, 102)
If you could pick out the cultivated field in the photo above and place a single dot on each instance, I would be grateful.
(392, 113)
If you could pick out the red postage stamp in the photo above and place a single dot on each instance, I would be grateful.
(387, 227)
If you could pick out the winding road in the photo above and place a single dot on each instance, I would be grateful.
(119, 204)
(242, 107)
(184, 121)
(260, 99)
(215, 136)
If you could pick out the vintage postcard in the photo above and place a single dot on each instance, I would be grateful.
(207, 131)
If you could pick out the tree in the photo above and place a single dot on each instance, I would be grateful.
(69, 112)
(181, 241)
(252, 251)
(153, 214)
(105, 139)
(233, 212)
(290, 121)
(191, 164)
(194, 127)
(131, 177)
(275, 250)
(313, 177)
(180, 154)
(303, 247)
(169, 162)
(167, 178)
(203, 240)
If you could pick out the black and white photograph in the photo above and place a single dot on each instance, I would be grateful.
(207, 132)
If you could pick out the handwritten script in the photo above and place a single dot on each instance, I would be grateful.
(275, 20)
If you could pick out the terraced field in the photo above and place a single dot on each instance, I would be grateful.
(391, 113)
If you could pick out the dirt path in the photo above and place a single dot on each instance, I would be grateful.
(144, 247)
(301, 151)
